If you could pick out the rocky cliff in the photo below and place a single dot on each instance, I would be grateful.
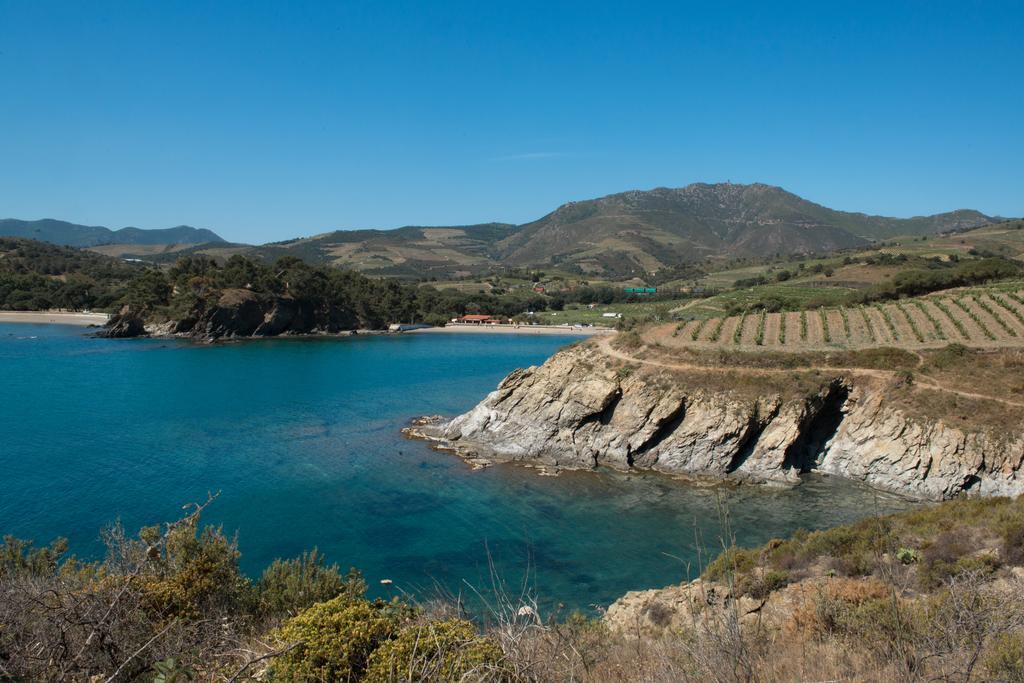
(584, 409)
(238, 313)
(242, 313)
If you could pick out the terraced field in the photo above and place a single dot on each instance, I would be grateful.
(973, 317)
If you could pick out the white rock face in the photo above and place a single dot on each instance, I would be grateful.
(578, 411)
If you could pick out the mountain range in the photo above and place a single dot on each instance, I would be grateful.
(623, 234)
(75, 235)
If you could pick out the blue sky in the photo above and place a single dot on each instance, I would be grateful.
(269, 120)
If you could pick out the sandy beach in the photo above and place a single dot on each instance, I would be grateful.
(510, 329)
(53, 317)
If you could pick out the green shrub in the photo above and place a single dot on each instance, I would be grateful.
(825, 331)
(171, 670)
(737, 334)
(336, 639)
(732, 561)
(759, 339)
(886, 626)
(917, 282)
(197, 575)
(951, 554)
(1004, 658)
(1013, 542)
(697, 329)
(716, 333)
(950, 354)
(868, 324)
(290, 586)
(19, 558)
(759, 585)
(449, 650)
(908, 556)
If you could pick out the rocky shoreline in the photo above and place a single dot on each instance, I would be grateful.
(237, 313)
(583, 410)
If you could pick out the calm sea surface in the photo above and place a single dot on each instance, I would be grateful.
(302, 439)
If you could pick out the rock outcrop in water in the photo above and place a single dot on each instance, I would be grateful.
(242, 313)
(582, 409)
(124, 324)
(239, 313)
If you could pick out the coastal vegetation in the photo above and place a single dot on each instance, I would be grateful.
(38, 276)
(35, 275)
(929, 594)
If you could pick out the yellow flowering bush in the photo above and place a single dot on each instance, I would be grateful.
(336, 638)
(449, 650)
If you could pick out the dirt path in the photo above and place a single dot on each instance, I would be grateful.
(605, 346)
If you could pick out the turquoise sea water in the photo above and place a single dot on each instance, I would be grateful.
(302, 439)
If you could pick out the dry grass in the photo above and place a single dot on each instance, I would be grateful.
(927, 595)
(996, 373)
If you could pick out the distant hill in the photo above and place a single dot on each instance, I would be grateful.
(74, 235)
(647, 231)
(622, 234)
(408, 251)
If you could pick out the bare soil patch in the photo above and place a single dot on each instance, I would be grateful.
(771, 329)
(949, 329)
(882, 333)
(1011, 311)
(793, 335)
(729, 330)
(996, 320)
(686, 331)
(974, 333)
(815, 331)
(837, 331)
(859, 334)
(904, 328)
(749, 333)
(709, 329)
